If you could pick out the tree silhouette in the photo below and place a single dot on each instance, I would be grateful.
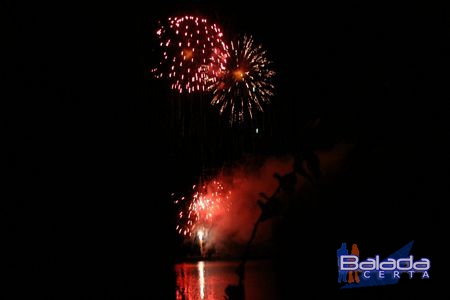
(306, 164)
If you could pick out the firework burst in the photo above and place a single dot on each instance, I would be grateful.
(193, 53)
(245, 84)
(202, 208)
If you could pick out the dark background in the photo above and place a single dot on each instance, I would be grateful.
(92, 146)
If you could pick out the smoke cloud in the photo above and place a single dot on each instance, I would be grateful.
(232, 228)
(245, 182)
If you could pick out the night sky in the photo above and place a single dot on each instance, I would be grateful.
(93, 145)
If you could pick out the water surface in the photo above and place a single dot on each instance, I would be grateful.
(207, 280)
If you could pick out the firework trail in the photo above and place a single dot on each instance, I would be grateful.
(245, 84)
(193, 53)
(198, 212)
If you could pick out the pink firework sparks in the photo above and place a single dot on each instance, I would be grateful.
(193, 53)
(201, 209)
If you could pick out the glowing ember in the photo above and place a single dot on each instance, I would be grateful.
(200, 235)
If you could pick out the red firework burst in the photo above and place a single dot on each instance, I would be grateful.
(193, 53)
(202, 208)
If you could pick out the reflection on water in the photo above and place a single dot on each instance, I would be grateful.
(201, 278)
(207, 280)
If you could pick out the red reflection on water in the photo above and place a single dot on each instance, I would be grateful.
(194, 282)
(208, 280)
(201, 278)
